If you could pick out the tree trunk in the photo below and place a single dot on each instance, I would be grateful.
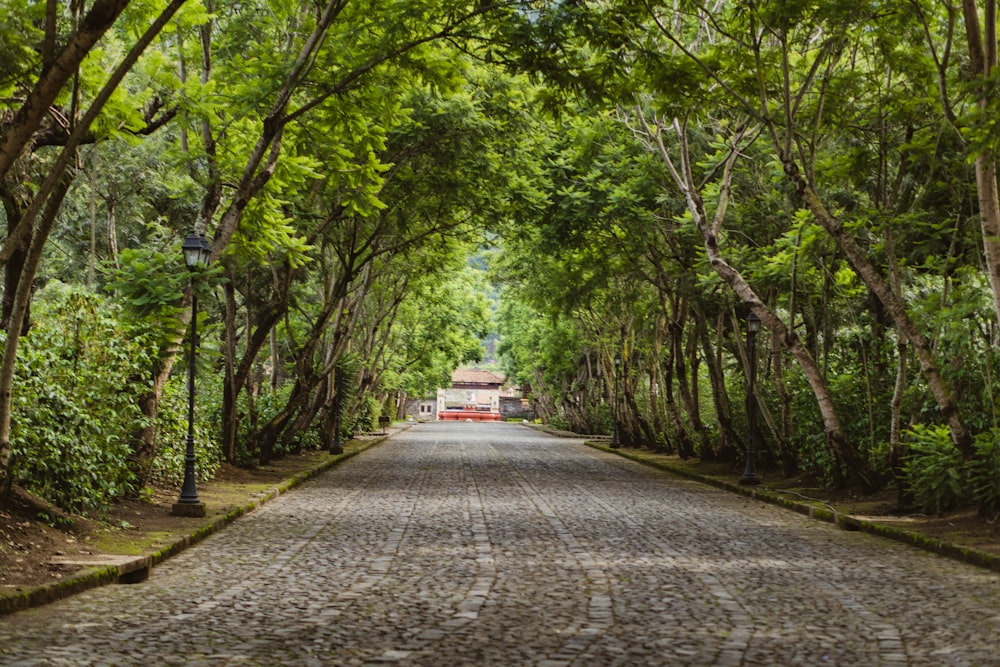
(144, 446)
(321, 400)
(230, 390)
(655, 380)
(878, 286)
(729, 440)
(896, 452)
(982, 41)
(264, 440)
(789, 457)
(18, 317)
(685, 446)
(112, 234)
(13, 269)
(689, 395)
(840, 447)
(843, 451)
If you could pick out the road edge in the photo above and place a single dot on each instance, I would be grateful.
(136, 569)
(823, 513)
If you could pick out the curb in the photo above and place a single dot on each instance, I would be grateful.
(133, 570)
(823, 513)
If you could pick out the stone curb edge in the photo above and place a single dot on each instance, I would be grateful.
(826, 514)
(137, 569)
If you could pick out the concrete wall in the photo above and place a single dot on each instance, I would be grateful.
(421, 409)
(517, 408)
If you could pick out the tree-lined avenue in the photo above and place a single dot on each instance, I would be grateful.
(494, 544)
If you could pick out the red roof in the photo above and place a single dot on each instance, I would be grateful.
(476, 376)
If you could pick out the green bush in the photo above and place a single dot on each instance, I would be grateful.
(936, 474)
(254, 415)
(365, 417)
(149, 283)
(308, 440)
(79, 372)
(984, 471)
(171, 438)
(559, 421)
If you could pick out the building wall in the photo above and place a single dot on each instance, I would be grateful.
(469, 398)
(421, 409)
(517, 408)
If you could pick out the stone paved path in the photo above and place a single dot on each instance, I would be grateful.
(458, 544)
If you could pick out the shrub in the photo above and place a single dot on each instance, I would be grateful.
(253, 415)
(365, 417)
(936, 474)
(79, 371)
(171, 438)
(984, 471)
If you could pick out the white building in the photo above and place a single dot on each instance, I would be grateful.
(474, 394)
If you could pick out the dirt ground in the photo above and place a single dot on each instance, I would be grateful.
(39, 544)
(32, 552)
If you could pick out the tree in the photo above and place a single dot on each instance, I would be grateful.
(981, 37)
(26, 241)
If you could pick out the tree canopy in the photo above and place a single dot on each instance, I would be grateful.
(639, 177)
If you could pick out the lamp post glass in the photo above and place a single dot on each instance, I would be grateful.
(196, 251)
(196, 255)
(750, 477)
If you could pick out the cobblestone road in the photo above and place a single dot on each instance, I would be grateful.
(492, 544)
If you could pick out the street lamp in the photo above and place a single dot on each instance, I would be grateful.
(750, 477)
(614, 412)
(196, 255)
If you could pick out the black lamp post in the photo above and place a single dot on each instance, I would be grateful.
(614, 413)
(196, 254)
(750, 477)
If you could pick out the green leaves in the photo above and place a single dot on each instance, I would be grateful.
(984, 472)
(81, 370)
(940, 479)
(20, 19)
(150, 284)
(935, 472)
